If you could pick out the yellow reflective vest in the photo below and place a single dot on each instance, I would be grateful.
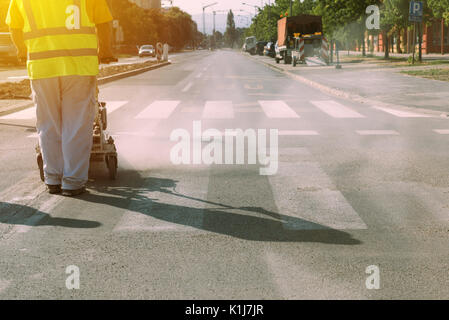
(60, 38)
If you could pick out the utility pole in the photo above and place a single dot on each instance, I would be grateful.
(204, 15)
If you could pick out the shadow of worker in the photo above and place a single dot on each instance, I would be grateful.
(16, 214)
(140, 195)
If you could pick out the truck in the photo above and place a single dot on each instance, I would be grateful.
(299, 37)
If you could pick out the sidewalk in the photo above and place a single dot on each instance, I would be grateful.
(374, 84)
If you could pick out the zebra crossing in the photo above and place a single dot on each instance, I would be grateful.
(270, 109)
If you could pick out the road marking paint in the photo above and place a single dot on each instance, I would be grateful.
(377, 132)
(306, 197)
(158, 110)
(199, 75)
(277, 109)
(112, 106)
(26, 114)
(33, 136)
(187, 87)
(218, 110)
(18, 78)
(133, 134)
(162, 208)
(442, 131)
(298, 133)
(336, 110)
(402, 114)
(249, 110)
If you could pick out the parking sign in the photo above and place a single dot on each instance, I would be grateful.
(416, 11)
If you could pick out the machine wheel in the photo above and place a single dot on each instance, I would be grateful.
(104, 118)
(277, 60)
(111, 163)
(294, 62)
(40, 164)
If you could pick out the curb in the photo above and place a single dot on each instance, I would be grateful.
(131, 73)
(101, 81)
(345, 95)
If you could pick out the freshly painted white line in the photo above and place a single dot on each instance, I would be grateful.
(277, 109)
(187, 87)
(18, 78)
(298, 133)
(26, 114)
(30, 113)
(337, 110)
(33, 136)
(402, 114)
(218, 110)
(377, 132)
(306, 197)
(158, 110)
(112, 106)
(442, 131)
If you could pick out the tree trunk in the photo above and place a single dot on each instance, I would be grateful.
(386, 45)
(363, 45)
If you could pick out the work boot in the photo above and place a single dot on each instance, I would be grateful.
(73, 193)
(54, 189)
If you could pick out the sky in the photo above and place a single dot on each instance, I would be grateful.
(195, 6)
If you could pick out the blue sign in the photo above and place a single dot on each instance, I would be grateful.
(416, 11)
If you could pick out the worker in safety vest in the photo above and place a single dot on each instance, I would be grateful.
(59, 40)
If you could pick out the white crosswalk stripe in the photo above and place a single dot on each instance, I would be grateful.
(30, 113)
(336, 110)
(218, 110)
(158, 110)
(278, 110)
(401, 113)
(442, 131)
(112, 106)
(27, 114)
(306, 196)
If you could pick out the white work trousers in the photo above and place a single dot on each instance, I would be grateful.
(65, 116)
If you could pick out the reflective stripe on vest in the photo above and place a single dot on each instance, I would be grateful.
(59, 50)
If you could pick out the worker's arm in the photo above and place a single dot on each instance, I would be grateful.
(17, 38)
(104, 33)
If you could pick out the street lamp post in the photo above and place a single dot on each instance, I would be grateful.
(204, 16)
(255, 11)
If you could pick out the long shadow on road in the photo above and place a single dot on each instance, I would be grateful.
(133, 192)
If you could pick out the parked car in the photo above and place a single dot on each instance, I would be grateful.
(260, 45)
(269, 50)
(8, 52)
(147, 51)
(250, 45)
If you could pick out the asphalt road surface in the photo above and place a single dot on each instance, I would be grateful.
(357, 189)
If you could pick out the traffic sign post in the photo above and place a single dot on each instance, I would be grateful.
(416, 13)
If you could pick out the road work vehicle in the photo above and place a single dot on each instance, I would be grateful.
(300, 37)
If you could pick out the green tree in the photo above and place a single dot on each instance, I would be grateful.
(231, 33)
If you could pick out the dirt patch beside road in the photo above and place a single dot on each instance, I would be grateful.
(441, 74)
(22, 90)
